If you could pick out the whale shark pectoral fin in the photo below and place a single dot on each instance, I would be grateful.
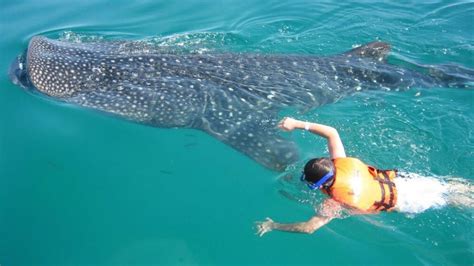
(375, 50)
(452, 75)
(257, 138)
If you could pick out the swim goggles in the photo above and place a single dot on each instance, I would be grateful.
(321, 181)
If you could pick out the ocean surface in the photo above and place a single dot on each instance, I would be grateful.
(78, 187)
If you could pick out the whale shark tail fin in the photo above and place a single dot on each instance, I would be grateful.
(374, 50)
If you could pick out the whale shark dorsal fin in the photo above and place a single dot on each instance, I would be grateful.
(375, 50)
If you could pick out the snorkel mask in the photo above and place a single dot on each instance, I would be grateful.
(321, 181)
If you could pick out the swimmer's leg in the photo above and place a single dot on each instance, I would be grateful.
(460, 192)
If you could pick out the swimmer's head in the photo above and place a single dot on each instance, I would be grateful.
(317, 172)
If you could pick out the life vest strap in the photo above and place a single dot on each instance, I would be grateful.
(382, 205)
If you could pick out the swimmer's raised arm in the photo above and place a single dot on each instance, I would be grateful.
(335, 146)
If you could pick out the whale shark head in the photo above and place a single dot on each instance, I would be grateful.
(18, 72)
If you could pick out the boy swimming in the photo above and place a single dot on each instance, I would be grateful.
(363, 189)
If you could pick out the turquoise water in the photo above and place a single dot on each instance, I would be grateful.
(77, 187)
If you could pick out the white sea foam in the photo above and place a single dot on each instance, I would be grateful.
(417, 193)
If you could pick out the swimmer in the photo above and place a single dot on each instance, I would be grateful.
(362, 189)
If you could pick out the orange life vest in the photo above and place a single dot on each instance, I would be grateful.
(363, 187)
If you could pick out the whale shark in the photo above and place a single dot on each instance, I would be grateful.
(236, 97)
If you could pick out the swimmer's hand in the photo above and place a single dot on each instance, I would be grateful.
(288, 124)
(265, 227)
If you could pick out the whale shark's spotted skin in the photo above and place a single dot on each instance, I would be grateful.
(234, 97)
